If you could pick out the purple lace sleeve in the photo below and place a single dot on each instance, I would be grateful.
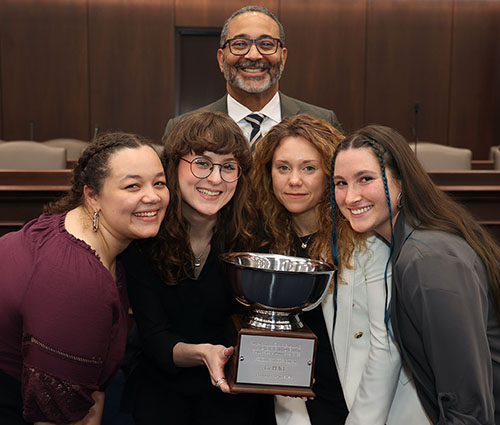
(47, 398)
(57, 385)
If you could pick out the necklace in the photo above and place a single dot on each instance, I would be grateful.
(197, 258)
(303, 243)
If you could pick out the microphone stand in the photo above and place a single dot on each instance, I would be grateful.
(414, 128)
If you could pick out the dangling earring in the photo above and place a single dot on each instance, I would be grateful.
(399, 202)
(95, 221)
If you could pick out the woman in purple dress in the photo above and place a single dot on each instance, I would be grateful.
(63, 309)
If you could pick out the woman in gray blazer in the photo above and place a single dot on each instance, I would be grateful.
(445, 306)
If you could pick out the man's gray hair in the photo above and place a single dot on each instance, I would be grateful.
(260, 9)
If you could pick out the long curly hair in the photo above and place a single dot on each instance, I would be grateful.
(277, 220)
(92, 167)
(424, 205)
(170, 251)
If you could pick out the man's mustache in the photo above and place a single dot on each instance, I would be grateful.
(253, 64)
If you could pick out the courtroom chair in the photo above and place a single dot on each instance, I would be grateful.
(23, 155)
(74, 147)
(494, 149)
(436, 157)
(496, 159)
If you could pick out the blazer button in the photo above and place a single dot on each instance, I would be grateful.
(358, 335)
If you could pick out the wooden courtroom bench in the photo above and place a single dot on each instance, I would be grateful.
(478, 190)
(466, 178)
(23, 193)
(482, 164)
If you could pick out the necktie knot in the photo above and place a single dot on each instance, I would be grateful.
(255, 121)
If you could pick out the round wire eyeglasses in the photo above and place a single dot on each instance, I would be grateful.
(201, 168)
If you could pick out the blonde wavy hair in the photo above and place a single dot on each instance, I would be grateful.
(275, 217)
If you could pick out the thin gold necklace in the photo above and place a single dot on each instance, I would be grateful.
(304, 244)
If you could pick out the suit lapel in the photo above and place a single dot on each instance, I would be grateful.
(288, 106)
(219, 105)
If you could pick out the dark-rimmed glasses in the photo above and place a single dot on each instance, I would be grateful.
(201, 168)
(240, 46)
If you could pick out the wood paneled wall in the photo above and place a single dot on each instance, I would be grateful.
(67, 67)
(131, 64)
(326, 55)
(44, 69)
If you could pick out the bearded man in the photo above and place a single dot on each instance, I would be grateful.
(252, 57)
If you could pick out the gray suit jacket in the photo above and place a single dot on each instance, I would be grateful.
(289, 106)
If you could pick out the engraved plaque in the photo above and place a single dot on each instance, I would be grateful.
(271, 360)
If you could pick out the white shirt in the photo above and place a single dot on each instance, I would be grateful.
(271, 112)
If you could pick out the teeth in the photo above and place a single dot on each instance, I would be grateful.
(209, 192)
(361, 210)
(145, 214)
(253, 70)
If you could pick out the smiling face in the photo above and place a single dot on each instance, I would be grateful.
(204, 197)
(360, 194)
(134, 195)
(299, 182)
(253, 72)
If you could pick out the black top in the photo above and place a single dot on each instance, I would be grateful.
(11, 402)
(193, 311)
(329, 405)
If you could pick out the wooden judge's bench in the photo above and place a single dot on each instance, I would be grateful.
(23, 193)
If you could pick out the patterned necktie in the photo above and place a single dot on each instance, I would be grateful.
(255, 121)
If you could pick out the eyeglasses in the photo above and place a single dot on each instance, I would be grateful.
(240, 46)
(201, 168)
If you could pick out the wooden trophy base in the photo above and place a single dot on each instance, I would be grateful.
(271, 362)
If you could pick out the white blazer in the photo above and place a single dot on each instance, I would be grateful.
(377, 390)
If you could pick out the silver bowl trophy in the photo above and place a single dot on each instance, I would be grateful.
(274, 350)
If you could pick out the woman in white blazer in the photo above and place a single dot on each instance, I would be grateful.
(377, 388)
(290, 175)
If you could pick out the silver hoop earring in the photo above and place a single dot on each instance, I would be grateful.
(399, 202)
(95, 221)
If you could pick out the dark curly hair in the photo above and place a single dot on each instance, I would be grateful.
(170, 251)
(92, 167)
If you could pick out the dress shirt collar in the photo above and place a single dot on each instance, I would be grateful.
(271, 112)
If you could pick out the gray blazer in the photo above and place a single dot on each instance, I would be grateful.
(289, 106)
(444, 321)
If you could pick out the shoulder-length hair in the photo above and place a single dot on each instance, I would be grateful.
(424, 205)
(275, 217)
(198, 132)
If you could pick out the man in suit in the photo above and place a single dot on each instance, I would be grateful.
(252, 57)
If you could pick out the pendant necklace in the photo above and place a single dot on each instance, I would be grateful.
(197, 258)
(304, 244)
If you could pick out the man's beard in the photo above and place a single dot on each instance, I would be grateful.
(257, 84)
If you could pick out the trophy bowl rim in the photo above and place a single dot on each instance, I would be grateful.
(227, 256)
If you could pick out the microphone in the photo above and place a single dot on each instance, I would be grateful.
(414, 128)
